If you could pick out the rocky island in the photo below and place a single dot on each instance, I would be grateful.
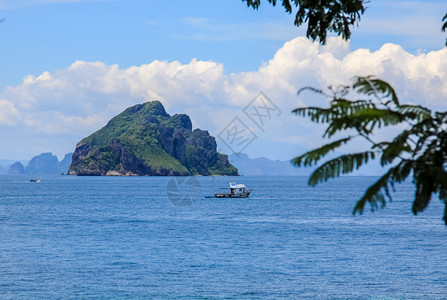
(44, 163)
(144, 140)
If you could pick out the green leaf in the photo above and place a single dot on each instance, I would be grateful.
(340, 165)
(444, 27)
(312, 157)
(420, 148)
(429, 178)
(253, 3)
(364, 121)
(316, 114)
(443, 197)
(393, 150)
(414, 112)
(351, 107)
(376, 87)
(374, 195)
(424, 190)
(286, 5)
(322, 16)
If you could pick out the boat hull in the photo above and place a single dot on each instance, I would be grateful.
(227, 195)
(236, 191)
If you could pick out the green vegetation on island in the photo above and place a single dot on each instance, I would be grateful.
(146, 141)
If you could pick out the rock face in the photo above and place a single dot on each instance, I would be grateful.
(45, 163)
(64, 164)
(146, 141)
(16, 168)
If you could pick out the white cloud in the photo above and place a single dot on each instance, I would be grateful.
(78, 100)
(8, 113)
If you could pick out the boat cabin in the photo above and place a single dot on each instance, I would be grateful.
(237, 189)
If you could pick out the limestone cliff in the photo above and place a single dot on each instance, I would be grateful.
(144, 140)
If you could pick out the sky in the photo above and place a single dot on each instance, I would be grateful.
(68, 66)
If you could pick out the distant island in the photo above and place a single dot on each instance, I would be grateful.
(144, 140)
(45, 163)
(262, 166)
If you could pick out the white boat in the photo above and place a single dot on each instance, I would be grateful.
(236, 191)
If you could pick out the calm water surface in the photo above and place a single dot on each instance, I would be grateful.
(121, 237)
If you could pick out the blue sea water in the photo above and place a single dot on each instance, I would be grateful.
(127, 238)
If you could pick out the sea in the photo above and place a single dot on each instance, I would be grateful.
(70, 237)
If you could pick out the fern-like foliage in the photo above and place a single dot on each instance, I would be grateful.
(444, 26)
(312, 157)
(321, 17)
(414, 112)
(419, 149)
(341, 165)
(376, 87)
(374, 195)
(393, 150)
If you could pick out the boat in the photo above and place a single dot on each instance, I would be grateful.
(36, 180)
(236, 191)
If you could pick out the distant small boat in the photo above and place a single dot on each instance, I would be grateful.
(36, 180)
(236, 191)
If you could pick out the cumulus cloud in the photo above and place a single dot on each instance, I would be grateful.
(78, 100)
(8, 113)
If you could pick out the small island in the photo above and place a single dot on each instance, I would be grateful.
(144, 140)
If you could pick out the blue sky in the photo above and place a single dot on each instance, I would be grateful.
(47, 35)
(39, 36)
(219, 47)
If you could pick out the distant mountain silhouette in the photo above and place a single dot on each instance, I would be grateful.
(65, 163)
(264, 166)
(16, 168)
(45, 163)
(6, 163)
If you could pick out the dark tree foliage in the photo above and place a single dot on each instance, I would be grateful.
(444, 27)
(322, 15)
(419, 150)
